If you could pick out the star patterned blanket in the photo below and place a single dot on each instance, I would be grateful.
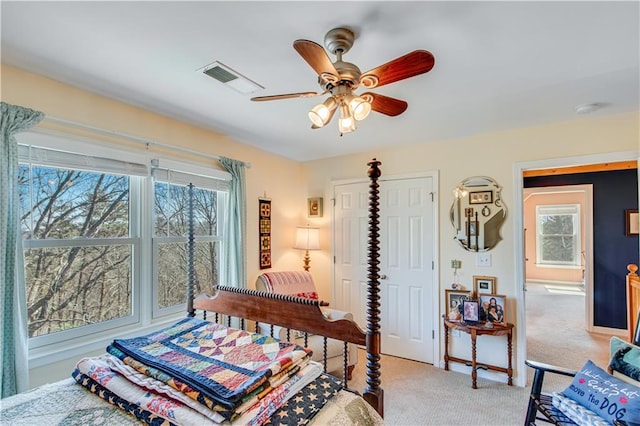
(224, 364)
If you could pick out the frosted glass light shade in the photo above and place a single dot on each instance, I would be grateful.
(360, 108)
(307, 238)
(346, 123)
(321, 114)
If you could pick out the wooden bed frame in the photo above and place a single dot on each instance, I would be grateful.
(305, 314)
(633, 303)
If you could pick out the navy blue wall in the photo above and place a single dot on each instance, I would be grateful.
(613, 193)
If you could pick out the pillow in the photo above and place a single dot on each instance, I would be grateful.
(625, 360)
(609, 397)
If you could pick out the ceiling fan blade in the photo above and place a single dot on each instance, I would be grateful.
(385, 105)
(285, 96)
(317, 57)
(409, 65)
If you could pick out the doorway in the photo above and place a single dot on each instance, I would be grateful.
(581, 164)
(567, 269)
(408, 288)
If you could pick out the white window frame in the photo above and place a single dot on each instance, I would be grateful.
(572, 210)
(144, 315)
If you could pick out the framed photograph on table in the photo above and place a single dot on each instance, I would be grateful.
(493, 307)
(454, 300)
(484, 285)
(470, 311)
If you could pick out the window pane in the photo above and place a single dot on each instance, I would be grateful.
(76, 286)
(172, 207)
(62, 204)
(172, 271)
(557, 224)
(558, 249)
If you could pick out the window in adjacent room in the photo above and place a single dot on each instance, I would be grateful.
(558, 235)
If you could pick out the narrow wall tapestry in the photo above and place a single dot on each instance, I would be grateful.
(265, 233)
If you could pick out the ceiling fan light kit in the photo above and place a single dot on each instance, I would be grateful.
(340, 79)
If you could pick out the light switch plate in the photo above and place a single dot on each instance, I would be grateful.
(483, 259)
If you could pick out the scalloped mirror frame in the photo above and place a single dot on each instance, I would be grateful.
(478, 213)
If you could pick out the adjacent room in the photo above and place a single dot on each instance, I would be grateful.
(212, 209)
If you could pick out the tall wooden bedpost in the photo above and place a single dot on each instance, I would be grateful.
(373, 393)
(191, 275)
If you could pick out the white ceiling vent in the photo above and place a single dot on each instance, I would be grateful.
(231, 78)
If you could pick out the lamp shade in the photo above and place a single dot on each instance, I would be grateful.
(307, 238)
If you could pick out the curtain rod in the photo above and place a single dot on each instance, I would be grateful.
(133, 138)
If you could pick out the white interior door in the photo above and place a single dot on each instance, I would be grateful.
(406, 262)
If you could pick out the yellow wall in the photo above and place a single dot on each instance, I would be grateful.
(268, 175)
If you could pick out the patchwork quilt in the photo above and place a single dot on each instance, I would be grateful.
(224, 364)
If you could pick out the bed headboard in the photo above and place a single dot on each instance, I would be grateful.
(305, 314)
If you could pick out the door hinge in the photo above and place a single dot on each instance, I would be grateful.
(433, 265)
(432, 196)
(433, 334)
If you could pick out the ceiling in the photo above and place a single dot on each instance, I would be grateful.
(498, 65)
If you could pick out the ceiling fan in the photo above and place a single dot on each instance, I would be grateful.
(340, 79)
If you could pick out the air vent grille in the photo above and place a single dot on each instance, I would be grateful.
(231, 78)
(220, 74)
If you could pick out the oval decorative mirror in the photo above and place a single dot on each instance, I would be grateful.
(477, 213)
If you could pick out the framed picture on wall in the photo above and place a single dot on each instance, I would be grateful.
(315, 207)
(481, 197)
(632, 222)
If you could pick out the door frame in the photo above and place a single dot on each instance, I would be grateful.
(518, 226)
(435, 270)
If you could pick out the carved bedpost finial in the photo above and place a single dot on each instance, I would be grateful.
(373, 393)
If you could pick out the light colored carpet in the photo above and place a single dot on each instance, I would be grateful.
(556, 332)
(420, 394)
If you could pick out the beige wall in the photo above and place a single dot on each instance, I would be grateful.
(493, 155)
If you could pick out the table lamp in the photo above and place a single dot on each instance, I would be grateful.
(307, 238)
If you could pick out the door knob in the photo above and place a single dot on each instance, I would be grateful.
(383, 277)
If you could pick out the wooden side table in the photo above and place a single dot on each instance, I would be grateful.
(474, 331)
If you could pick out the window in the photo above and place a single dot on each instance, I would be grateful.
(83, 221)
(558, 235)
(171, 227)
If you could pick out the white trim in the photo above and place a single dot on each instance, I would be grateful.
(144, 141)
(518, 227)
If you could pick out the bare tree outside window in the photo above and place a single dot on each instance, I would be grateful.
(77, 271)
(171, 230)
